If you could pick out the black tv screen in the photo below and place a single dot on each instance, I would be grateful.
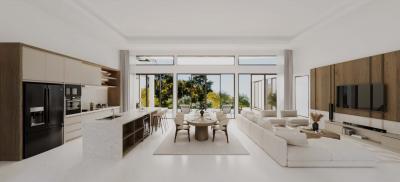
(364, 96)
(339, 96)
(350, 96)
(378, 97)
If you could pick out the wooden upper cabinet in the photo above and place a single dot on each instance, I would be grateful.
(55, 68)
(91, 74)
(33, 64)
(73, 71)
(391, 80)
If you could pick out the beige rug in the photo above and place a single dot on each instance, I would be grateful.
(194, 147)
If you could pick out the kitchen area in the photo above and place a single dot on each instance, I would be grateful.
(47, 95)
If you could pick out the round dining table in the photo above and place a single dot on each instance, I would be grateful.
(201, 127)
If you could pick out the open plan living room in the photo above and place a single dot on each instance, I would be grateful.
(207, 90)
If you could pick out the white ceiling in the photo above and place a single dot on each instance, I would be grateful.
(272, 20)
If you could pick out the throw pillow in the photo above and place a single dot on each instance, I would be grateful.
(268, 113)
(293, 137)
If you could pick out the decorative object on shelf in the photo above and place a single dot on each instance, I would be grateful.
(316, 117)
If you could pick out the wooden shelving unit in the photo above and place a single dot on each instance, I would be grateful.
(133, 133)
(111, 78)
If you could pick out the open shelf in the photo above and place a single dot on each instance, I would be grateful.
(133, 133)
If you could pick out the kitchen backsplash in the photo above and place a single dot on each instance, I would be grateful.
(97, 95)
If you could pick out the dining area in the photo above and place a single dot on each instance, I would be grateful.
(203, 123)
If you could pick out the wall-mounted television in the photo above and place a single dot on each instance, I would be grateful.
(346, 96)
(378, 97)
(366, 96)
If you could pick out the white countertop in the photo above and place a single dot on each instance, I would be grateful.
(125, 117)
(94, 111)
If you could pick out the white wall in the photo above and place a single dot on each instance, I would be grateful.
(59, 26)
(372, 28)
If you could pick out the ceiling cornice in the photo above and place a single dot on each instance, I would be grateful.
(343, 9)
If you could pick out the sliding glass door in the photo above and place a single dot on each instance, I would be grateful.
(211, 91)
(154, 90)
(257, 91)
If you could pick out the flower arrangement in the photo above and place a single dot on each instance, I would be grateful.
(316, 117)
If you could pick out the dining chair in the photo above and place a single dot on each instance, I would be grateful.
(156, 121)
(222, 125)
(185, 109)
(180, 126)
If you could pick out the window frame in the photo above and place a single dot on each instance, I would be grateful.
(205, 56)
(238, 60)
(173, 60)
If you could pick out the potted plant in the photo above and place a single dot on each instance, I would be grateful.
(316, 117)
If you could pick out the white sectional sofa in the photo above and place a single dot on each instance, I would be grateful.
(324, 152)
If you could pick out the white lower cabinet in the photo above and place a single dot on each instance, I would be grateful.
(73, 124)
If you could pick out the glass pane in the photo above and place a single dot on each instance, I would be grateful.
(228, 94)
(244, 91)
(143, 91)
(258, 91)
(184, 95)
(166, 91)
(154, 60)
(199, 87)
(203, 60)
(258, 60)
(213, 97)
(270, 92)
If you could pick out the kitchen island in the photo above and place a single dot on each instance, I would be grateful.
(113, 137)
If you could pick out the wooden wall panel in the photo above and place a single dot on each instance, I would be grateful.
(377, 77)
(352, 73)
(391, 80)
(322, 88)
(10, 102)
(312, 89)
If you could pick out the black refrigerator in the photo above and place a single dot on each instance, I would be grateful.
(43, 108)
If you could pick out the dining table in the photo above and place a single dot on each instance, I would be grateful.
(201, 124)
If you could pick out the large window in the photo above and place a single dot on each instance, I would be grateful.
(155, 90)
(213, 91)
(206, 60)
(257, 91)
(154, 60)
(258, 60)
(302, 95)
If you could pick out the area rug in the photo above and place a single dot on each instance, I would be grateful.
(194, 147)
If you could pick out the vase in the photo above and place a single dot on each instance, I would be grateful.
(315, 126)
(201, 113)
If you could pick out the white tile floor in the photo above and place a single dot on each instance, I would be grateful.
(65, 163)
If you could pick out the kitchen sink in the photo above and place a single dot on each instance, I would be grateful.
(110, 117)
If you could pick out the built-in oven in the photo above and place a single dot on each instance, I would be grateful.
(72, 99)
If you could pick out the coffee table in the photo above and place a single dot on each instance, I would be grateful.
(322, 133)
(201, 127)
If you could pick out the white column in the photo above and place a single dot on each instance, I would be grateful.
(151, 90)
(125, 77)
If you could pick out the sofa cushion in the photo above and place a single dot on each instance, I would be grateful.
(252, 117)
(276, 121)
(293, 137)
(267, 113)
(297, 121)
(289, 113)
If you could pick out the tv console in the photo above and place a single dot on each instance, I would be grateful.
(365, 127)
(375, 136)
